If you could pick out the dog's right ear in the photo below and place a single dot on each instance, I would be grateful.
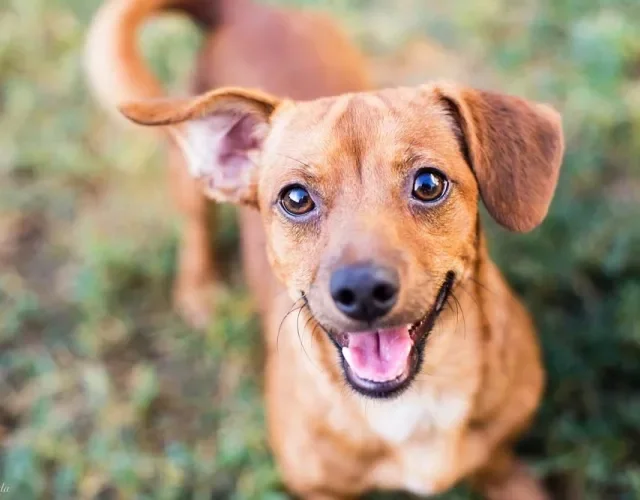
(219, 133)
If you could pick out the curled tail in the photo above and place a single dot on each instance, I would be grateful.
(114, 65)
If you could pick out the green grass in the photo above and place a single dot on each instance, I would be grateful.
(104, 393)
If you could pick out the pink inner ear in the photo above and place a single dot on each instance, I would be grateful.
(218, 149)
(236, 144)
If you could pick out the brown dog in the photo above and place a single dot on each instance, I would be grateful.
(415, 366)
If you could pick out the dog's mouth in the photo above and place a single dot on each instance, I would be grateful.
(382, 363)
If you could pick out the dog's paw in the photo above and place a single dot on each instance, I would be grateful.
(520, 484)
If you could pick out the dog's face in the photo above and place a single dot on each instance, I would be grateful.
(370, 211)
(370, 201)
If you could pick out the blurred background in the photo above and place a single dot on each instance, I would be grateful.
(105, 393)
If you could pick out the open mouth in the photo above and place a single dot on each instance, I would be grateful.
(382, 363)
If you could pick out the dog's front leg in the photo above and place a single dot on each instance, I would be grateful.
(196, 273)
(506, 478)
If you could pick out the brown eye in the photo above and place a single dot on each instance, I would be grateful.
(296, 200)
(429, 185)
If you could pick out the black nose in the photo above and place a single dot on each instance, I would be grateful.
(364, 292)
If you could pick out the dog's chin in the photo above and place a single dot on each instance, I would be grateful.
(383, 363)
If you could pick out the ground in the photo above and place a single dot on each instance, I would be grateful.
(105, 393)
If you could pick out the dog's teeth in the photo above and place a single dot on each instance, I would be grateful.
(347, 355)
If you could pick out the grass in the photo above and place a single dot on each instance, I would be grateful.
(104, 393)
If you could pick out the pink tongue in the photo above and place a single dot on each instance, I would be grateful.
(379, 356)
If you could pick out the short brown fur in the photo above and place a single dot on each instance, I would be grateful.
(481, 378)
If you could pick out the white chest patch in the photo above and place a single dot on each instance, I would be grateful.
(395, 421)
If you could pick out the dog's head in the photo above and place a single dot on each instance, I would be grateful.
(370, 201)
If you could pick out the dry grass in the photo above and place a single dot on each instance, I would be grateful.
(106, 394)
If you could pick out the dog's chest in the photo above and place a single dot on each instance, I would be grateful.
(421, 430)
(397, 421)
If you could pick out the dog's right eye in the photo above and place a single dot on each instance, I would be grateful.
(296, 200)
(429, 185)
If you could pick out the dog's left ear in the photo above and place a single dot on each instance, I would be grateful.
(218, 132)
(514, 148)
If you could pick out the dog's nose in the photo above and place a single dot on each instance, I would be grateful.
(364, 292)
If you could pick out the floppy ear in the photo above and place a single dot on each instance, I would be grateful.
(514, 148)
(219, 133)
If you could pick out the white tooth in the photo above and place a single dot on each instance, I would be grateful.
(347, 355)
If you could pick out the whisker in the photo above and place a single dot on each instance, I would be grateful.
(459, 307)
(296, 160)
(309, 319)
(470, 295)
(482, 285)
(282, 323)
(300, 337)
(449, 298)
(314, 329)
(292, 309)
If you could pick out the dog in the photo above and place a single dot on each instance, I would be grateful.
(397, 357)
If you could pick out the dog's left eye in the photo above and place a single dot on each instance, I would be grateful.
(429, 185)
(296, 200)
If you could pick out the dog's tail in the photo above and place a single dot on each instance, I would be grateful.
(113, 62)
